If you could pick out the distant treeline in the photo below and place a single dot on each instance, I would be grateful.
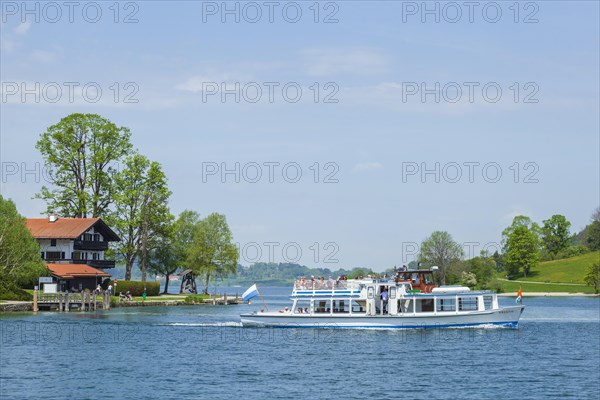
(282, 274)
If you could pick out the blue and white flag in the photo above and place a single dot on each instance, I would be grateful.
(250, 293)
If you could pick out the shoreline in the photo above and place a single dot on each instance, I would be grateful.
(549, 294)
(7, 306)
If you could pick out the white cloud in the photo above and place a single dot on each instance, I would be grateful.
(7, 44)
(367, 166)
(323, 62)
(22, 28)
(8, 41)
(43, 56)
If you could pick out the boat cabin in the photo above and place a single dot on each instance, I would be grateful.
(408, 293)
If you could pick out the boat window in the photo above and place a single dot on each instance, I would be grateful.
(302, 307)
(341, 306)
(405, 305)
(370, 292)
(392, 292)
(467, 303)
(446, 304)
(322, 306)
(487, 302)
(358, 307)
(425, 305)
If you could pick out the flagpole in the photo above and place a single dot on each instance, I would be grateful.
(263, 300)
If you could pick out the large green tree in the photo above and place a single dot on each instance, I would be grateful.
(440, 250)
(555, 234)
(20, 261)
(172, 248)
(212, 252)
(140, 209)
(592, 277)
(483, 268)
(592, 235)
(80, 153)
(163, 259)
(521, 251)
(524, 221)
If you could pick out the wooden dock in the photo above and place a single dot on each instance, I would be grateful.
(66, 301)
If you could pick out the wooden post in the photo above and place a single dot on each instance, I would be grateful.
(35, 301)
(95, 304)
(60, 301)
(67, 305)
(82, 301)
(225, 298)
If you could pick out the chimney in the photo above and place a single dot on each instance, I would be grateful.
(52, 217)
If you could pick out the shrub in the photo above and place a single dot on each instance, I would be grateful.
(573, 251)
(495, 286)
(136, 288)
(114, 301)
(592, 277)
(9, 291)
(195, 298)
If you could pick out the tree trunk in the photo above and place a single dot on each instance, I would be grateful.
(128, 267)
(166, 284)
(205, 291)
(144, 249)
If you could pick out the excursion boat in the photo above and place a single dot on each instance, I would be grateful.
(413, 302)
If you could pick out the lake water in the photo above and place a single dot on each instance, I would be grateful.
(201, 352)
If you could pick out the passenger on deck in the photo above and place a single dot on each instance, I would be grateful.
(305, 310)
(299, 311)
(384, 300)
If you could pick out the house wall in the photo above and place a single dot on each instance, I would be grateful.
(67, 246)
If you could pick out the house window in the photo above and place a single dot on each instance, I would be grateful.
(42, 255)
(53, 242)
(53, 255)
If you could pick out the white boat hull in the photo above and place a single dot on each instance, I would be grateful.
(505, 317)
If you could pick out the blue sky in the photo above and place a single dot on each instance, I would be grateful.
(369, 61)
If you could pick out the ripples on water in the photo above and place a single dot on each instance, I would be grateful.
(202, 352)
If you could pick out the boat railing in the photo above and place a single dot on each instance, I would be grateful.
(304, 284)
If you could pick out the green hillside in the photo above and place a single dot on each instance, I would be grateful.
(568, 270)
(564, 275)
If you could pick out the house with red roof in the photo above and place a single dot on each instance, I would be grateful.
(73, 249)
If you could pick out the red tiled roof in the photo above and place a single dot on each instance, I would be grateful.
(68, 271)
(65, 228)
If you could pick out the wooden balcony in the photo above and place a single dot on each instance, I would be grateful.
(92, 263)
(90, 245)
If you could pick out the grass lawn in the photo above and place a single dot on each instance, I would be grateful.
(568, 270)
(548, 274)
